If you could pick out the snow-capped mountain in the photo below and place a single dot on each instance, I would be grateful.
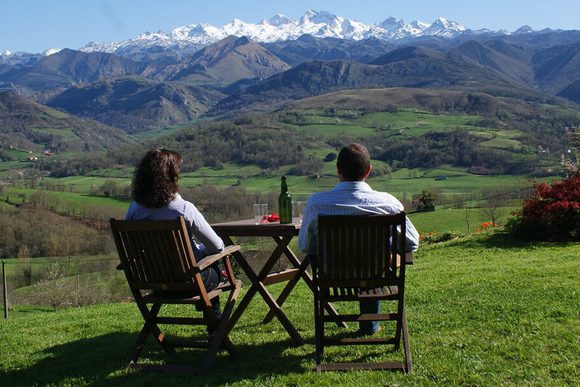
(320, 24)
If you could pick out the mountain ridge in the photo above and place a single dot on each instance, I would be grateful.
(25, 124)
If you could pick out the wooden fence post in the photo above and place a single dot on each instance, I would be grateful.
(5, 289)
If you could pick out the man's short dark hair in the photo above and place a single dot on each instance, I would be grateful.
(353, 162)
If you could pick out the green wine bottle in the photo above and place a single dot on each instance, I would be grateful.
(285, 203)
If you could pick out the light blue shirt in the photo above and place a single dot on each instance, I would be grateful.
(349, 198)
(197, 226)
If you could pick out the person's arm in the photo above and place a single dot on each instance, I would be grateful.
(307, 235)
(412, 237)
(131, 211)
(201, 229)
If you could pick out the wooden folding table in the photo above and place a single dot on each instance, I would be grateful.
(282, 235)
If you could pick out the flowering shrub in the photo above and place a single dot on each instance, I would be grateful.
(552, 213)
(485, 226)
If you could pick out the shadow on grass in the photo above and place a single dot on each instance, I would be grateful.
(102, 360)
(504, 240)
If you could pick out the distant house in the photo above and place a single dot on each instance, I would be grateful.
(441, 177)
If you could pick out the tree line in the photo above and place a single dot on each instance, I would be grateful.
(34, 232)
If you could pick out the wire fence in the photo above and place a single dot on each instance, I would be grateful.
(60, 282)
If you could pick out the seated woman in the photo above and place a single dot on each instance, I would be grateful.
(156, 197)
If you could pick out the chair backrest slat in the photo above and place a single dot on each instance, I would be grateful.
(360, 247)
(154, 252)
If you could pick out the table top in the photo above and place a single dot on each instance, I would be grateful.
(248, 227)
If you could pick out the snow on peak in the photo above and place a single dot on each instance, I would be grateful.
(6, 53)
(318, 17)
(319, 24)
(391, 24)
(50, 51)
(279, 20)
(444, 27)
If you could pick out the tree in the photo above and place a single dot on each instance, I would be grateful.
(52, 287)
(425, 201)
(571, 168)
(468, 219)
(330, 157)
(493, 211)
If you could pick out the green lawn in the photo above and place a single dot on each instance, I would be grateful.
(454, 220)
(482, 311)
(407, 122)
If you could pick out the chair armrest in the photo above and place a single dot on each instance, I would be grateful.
(211, 259)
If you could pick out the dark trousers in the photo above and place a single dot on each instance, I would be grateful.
(369, 327)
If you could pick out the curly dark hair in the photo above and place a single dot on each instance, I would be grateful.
(155, 178)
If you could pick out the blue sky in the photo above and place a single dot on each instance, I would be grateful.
(35, 25)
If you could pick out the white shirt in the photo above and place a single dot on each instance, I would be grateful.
(349, 198)
(196, 223)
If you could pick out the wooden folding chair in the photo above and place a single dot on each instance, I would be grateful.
(160, 267)
(358, 259)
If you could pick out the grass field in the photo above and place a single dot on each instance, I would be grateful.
(403, 122)
(483, 310)
(454, 220)
(76, 199)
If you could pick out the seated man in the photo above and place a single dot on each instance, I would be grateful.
(352, 196)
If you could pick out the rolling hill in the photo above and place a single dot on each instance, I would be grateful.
(137, 104)
(25, 124)
(572, 92)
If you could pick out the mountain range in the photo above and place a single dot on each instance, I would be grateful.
(320, 24)
(159, 80)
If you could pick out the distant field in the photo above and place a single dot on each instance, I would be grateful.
(455, 220)
(403, 183)
(327, 130)
(402, 124)
(165, 131)
(76, 199)
(64, 133)
(323, 131)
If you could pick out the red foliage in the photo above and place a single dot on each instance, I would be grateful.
(553, 212)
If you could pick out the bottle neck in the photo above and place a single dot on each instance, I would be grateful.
(284, 185)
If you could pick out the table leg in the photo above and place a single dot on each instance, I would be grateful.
(277, 310)
(288, 288)
(258, 286)
(245, 301)
(292, 283)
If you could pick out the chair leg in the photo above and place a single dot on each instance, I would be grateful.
(156, 331)
(399, 326)
(136, 352)
(149, 327)
(406, 346)
(220, 335)
(317, 321)
(319, 303)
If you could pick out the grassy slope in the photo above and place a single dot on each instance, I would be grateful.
(481, 311)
